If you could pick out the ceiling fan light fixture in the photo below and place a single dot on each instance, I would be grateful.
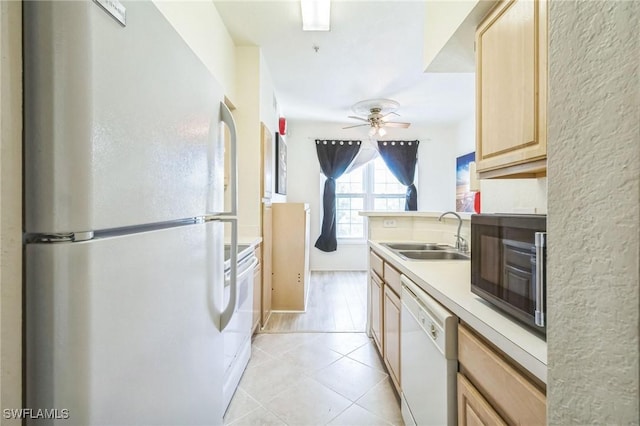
(316, 15)
(372, 131)
(382, 131)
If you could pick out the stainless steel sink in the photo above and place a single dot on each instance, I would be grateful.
(416, 246)
(432, 255)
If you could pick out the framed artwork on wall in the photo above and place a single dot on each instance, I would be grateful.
(464, 196)
(281, 164)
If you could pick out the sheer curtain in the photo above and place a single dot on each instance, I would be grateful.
(401, 157)
(334, 157)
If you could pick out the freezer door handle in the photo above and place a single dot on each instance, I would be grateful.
(227, 118)
(227, 313)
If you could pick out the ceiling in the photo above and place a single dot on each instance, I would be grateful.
(374, 50)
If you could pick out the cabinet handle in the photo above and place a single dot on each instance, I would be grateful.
(434, 332)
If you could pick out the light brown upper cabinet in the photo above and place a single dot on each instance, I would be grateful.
(511, 90)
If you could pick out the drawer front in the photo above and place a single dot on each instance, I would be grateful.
(376, 263)
(473, 409)
(392, 278)
(511, 393)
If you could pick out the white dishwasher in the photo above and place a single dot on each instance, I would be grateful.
(428, 359)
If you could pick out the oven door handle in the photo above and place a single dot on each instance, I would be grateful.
(541, 243)
(243, 269)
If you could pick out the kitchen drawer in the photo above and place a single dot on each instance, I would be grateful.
(392, 278)
(473, 409)
(376, 263)
(509, 391)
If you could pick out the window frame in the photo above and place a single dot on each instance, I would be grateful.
(369, 197)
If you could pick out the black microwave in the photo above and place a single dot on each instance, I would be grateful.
(508, 264)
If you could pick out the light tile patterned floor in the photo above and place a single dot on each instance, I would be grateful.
(301, 379)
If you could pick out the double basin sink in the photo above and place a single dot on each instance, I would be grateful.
(426, 251)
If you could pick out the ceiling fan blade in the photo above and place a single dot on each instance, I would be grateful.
(390, 112)
(358, 118)
(396, 124)
(357, 125)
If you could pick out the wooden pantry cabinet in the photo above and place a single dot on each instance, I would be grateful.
(492, 390)
(290, 256)
(511, 90)
(384, 299)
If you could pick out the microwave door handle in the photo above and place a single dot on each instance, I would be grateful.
(541, 242)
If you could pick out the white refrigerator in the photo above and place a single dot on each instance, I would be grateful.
(124, 218)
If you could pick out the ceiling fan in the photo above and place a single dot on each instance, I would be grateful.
(377, 111)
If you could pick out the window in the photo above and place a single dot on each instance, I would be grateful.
(370, 187)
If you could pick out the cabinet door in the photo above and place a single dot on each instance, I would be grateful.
(511, 89)
(392, 334)
(473, 409)
(376, 295)
(266, 263)
(512, 394)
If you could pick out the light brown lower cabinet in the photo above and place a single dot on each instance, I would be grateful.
(377, 296)
(491, 380)
(384, 300)
(392, 335)
(473, 409)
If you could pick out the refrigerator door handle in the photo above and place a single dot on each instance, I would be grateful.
(227, 118)
(227, 313)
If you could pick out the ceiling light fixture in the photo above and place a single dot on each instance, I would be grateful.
(315, 15)
(376, 130)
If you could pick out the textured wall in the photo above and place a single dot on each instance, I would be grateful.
(11, 207)
(594, 220)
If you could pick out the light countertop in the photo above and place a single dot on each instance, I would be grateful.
(378, 213)
(250, 241)
(449, 282)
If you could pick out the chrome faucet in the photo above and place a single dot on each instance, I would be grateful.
(461, 244)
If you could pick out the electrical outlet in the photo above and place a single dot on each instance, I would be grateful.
(389, 223)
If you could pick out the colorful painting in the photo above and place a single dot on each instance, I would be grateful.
(464, 196)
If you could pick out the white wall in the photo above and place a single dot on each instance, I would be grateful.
(442, 19)
(437, 168)
(200, 25)
(436, 179)
(594, 213)
(247, 117)
(269, 115)
(255, 104)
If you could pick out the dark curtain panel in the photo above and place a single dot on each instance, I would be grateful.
(401, 158)
(334, 157)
